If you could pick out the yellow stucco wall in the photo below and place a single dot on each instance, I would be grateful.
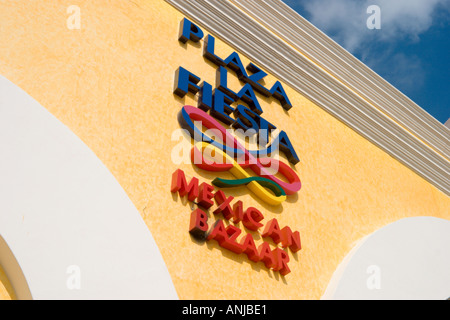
(111, 83)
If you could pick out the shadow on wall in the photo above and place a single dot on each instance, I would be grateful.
(13, 277)
(6, 289)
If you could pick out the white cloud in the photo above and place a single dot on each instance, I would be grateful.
(342, 18)
(346, 19)
(408, 17)
(346, 22)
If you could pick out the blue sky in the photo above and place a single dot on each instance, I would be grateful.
(411, 50)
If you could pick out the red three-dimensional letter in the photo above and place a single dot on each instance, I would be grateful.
(249, 248)
(282, 260)
(224, 204)
(266, 255)
(238, 212)
(252, 217)
(291, 239)
(199, 224)
(226, 237)
(180, 185)
(205, 196)
(273, 231)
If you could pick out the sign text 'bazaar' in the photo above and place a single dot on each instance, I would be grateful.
(205, 196)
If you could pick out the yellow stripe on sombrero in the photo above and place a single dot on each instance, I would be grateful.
(238, 171)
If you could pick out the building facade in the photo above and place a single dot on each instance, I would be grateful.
(102, 197)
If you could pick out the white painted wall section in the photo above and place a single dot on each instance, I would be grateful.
(61, 207)
(406, 260)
